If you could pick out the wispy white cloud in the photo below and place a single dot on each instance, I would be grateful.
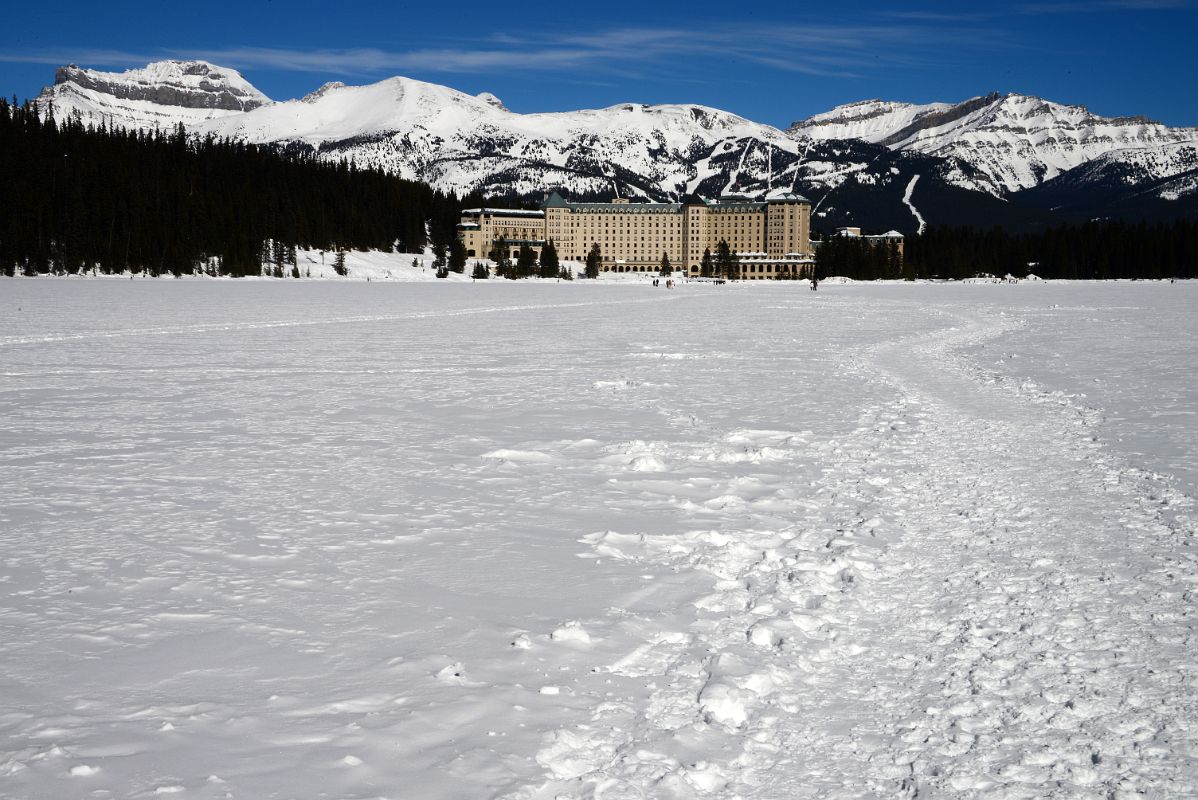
(85, 56)
(819, 50)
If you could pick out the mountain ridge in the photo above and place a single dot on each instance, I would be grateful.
(998, 145)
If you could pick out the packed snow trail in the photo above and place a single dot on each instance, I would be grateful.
(976, 600)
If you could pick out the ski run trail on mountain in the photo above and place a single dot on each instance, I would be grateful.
(910, 190)
(595, 541)
(914, 211)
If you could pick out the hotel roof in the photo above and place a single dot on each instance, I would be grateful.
(506, 212)
(728, 203)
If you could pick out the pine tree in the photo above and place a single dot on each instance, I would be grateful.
(550, 264)
(339, 263)
(499, 254)
(908, 268)
(706, 268)
(526, 262)
(457, 256)
(480, 271)
(666, 270)
(594, 259)
(725, 261)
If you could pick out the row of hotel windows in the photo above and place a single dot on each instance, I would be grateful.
(723, 218)
(558, 233)
(722, 223)
(628, 236)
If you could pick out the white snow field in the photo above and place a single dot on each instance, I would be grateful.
(289, 539)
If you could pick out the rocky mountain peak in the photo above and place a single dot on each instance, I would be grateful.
(183, 84)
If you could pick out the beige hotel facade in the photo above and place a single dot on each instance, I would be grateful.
(772, 238)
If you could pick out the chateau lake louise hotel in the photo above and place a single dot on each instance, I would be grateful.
(772, 238)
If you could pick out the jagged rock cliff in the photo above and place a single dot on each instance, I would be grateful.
(162, 94)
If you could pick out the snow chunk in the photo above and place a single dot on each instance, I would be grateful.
(519, 456)
(725, 704)
(572, 632)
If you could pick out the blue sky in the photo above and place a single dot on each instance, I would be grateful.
(770, 61)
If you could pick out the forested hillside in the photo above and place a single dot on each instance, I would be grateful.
(1096, 250)
(78, 198)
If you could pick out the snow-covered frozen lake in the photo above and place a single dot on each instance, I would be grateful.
(348, 540)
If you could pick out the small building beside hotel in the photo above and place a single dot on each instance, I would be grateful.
(481, 227)
(890, 237)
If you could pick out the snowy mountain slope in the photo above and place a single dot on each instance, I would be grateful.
(161, 95)
(1161, 183)
(1136, 167)
(873, 191)
(1016, 140)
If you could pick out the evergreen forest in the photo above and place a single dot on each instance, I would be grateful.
(78, 198)
(1096, 250)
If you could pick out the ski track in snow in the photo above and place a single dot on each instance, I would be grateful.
(914, 211)
(794, 184)
(625, 563)
(734, 176)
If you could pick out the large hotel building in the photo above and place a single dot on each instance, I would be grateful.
(772, 238)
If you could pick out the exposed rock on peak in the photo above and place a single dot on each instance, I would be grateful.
(184, 84)
(491, 100)
(312, 97)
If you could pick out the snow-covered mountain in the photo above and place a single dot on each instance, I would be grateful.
(461, 142)
(464, 143)
(160, 95)
(855, 161)
(1016, 141)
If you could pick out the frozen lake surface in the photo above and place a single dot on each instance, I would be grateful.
(531, 541)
